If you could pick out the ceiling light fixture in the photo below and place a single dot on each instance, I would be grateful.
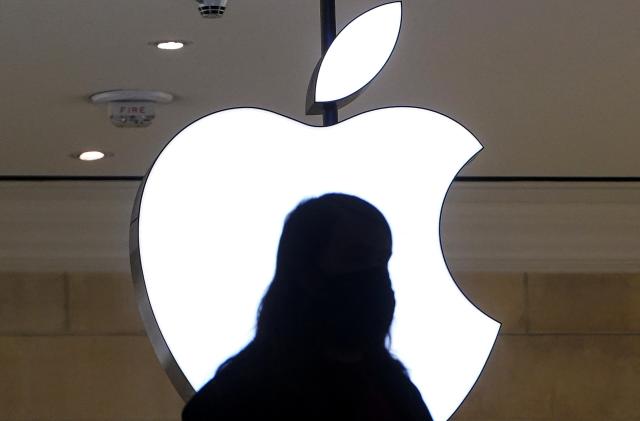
(91, 156)
(170, 45)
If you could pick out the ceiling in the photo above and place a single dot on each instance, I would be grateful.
(551, 88)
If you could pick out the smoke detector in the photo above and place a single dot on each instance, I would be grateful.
(212, 8)
(131, 108)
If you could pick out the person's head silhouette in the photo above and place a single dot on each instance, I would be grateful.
(319, 352)
(331, 292)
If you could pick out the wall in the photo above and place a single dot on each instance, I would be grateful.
(569, 347)
(556, 263)
(72, 347)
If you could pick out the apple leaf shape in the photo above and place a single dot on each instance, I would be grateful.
(358, 53)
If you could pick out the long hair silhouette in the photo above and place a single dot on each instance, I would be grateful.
(320, 349)
(317, 298)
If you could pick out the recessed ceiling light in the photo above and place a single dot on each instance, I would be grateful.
(170, 45)
(91, 156)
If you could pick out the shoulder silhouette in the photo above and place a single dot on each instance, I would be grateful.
(320, 349)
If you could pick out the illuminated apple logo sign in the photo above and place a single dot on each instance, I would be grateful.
(209, 215)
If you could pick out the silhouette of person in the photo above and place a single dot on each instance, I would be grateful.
(320, 349)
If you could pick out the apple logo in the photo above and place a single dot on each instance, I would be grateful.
(209, 213)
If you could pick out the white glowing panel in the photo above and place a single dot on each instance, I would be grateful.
(215, 201)
(213, 208)
(359, 52)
